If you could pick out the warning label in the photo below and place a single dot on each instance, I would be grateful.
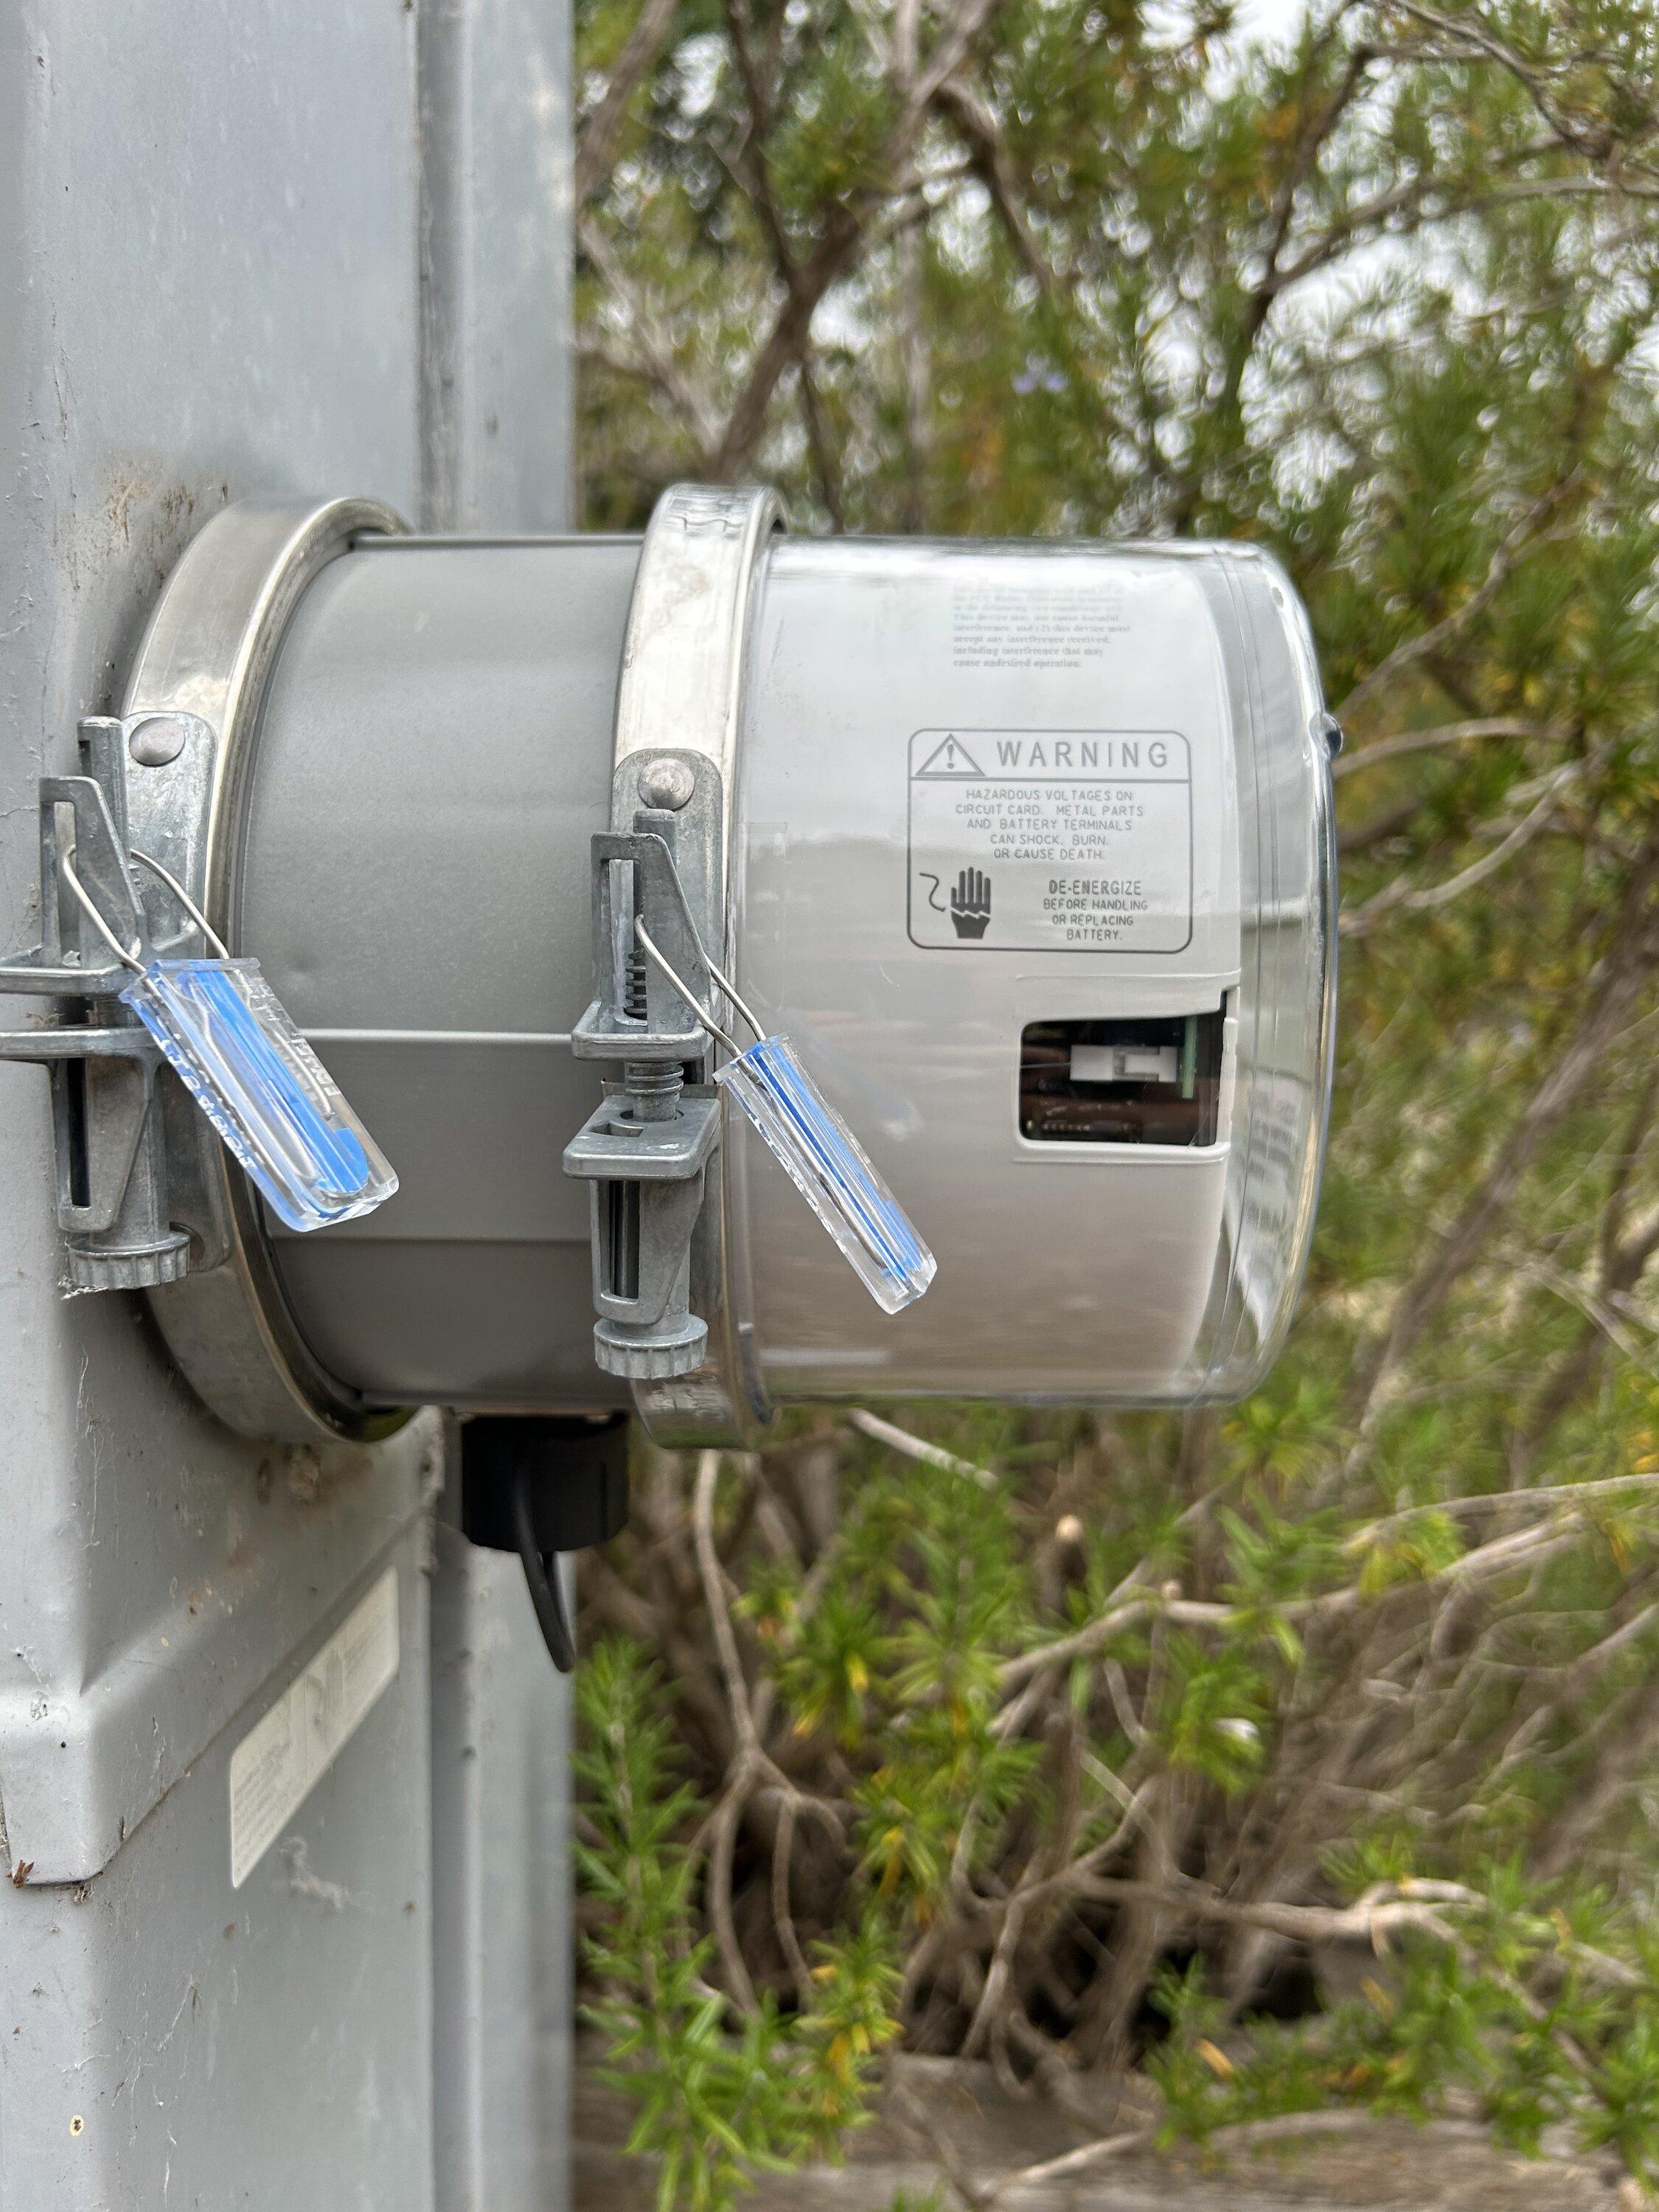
(1051, 841)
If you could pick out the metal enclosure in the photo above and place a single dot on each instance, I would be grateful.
(433, 758)
(255, 249)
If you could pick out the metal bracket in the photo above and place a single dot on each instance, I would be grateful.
(679, 701)
(644, 1148)
(110, 1150)
(203, 666)
(636, 1014)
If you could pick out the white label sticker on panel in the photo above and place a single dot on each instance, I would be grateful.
(1051, 841)
(280, 1761)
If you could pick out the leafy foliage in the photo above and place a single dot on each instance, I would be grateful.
(1089, 1760)
(712, 2105)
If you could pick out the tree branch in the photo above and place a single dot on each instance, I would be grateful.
(1350, 762)
(1522, 538)
(1610, 995)
(843, 230)
(1401, 896)
(597, 139)
(655, 349)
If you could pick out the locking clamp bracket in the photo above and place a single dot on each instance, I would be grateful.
(108, 1140)
(644, 1148)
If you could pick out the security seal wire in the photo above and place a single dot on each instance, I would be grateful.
(209, 932)
(648, 947)
(88, 907)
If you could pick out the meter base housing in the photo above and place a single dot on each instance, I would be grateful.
(1047, 911)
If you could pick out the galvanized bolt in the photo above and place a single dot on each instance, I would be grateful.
(667, 784)
(153, 740)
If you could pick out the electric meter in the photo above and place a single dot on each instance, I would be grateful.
(1025, 848)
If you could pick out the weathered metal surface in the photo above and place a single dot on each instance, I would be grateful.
(170, 2042)
(206, 282)
(495, 264)
(211, 223)
(502, 1928)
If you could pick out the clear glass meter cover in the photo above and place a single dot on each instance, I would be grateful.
(221, 1027)
(1036, 869)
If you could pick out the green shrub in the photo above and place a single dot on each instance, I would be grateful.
(1089, 1761)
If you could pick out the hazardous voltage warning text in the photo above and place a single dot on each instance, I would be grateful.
(1051, 841)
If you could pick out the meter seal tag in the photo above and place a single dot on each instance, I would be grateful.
(221, 1027)
(816, 1150)
(828, 1165)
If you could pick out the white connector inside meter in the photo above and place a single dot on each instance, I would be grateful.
(1126, 1063)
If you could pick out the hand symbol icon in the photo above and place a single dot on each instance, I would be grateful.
(970, 903)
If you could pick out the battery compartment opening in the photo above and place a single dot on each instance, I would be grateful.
(1133, 1079)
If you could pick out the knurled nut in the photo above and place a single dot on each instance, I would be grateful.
(131, 1271)
(640, 1360)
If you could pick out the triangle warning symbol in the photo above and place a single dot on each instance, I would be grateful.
(951, 758)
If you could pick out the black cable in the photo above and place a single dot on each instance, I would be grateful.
(541, 1574)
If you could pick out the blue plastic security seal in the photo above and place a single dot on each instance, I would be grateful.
(814, 1146)
(219, 1023)
(221, 1026)
(831, 1170)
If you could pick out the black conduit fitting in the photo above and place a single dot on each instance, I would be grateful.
(539, 1485)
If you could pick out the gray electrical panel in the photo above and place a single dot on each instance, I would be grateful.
(281, 1756)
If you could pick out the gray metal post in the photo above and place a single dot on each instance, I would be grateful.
(253, 249)
(495, 455)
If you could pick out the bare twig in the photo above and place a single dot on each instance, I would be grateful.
(1610, 997)
(1240, 2135)
(1544, 1497)
(916, 1448)
(1402, 896)
(1351, 762)
(720, 1617)
(979, 127)
(783, 1920)
(655, 349)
